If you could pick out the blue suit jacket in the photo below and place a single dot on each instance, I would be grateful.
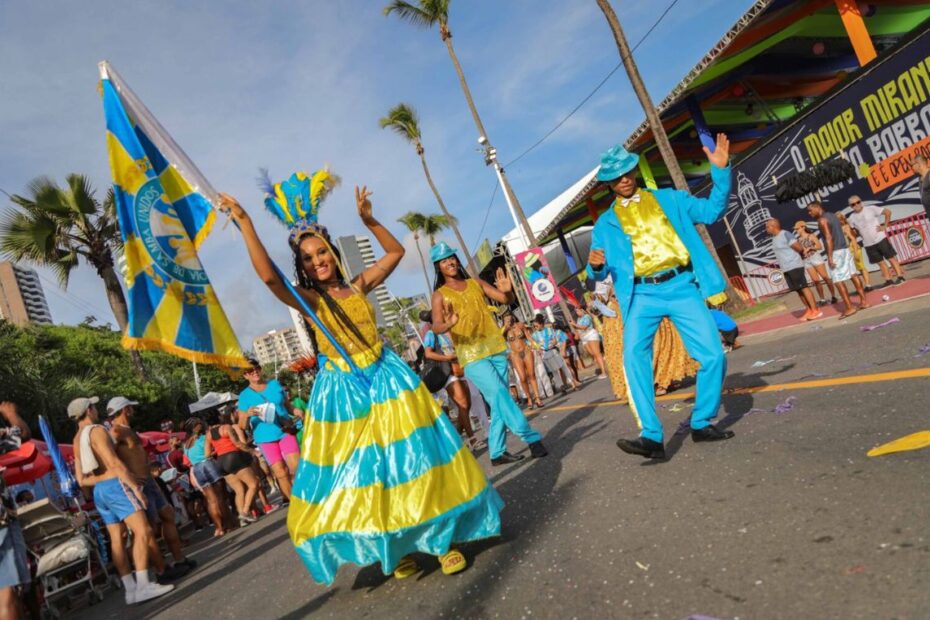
(683, 211)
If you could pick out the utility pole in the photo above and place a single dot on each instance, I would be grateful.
(661, 137)
(516, 211)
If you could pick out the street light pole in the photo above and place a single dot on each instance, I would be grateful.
(516, 212)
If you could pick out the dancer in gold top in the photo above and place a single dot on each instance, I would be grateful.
(460, 308)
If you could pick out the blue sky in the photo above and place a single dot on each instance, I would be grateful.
(296, 85)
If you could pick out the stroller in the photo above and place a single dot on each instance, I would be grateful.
(68, 560)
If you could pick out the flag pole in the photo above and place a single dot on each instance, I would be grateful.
(199, 183)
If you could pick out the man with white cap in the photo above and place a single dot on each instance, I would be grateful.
(158, 510)
(118, 497)
(647, 243)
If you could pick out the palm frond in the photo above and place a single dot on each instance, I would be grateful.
(81, 197)
(412, 220)
(423, 16)
(403, 120)
(436, 223)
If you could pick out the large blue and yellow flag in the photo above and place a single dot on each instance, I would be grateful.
(162, 220)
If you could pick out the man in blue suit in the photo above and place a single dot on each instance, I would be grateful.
(660, 267)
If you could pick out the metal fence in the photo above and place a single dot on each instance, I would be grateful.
(910, 237)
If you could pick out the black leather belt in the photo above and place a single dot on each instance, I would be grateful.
(662, 277)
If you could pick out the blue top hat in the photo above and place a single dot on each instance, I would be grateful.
(440, 251)
(615, 163)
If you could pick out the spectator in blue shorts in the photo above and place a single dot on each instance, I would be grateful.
(118, 497)
(159, 510)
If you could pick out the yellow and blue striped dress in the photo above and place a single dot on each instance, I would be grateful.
(382, 471)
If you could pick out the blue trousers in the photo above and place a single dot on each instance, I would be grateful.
(490, 377)
(680, 300)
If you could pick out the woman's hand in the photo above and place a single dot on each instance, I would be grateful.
(363, 202)
(502, 281)
(229, 205)
(449, 316)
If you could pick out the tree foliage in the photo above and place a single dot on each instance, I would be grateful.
(44, 367)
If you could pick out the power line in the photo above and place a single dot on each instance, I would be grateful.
(71, 298)
(485, 222)
(596, 88)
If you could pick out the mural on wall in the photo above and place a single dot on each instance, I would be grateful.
(879, 122)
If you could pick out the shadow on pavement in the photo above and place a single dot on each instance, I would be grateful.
(216, 555)
(311, 606)
(540, 475)
(530, 498)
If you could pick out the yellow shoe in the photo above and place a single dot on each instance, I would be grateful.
(407, 567)
(453, 562)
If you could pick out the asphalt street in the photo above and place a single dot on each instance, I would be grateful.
(790, 519)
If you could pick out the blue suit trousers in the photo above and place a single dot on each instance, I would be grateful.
(680, 300)
(490, 377)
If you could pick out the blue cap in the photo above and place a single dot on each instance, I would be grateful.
(440, 251)
(615, 163)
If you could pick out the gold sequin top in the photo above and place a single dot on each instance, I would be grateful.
(476, 334)
(361, 314)
(656, 245)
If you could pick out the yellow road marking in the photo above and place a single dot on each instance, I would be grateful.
(895, 375)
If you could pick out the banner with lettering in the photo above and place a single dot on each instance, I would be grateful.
(540, 285)
(878, 122)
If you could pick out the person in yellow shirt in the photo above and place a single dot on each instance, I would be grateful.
(460, 308)
(647, 243)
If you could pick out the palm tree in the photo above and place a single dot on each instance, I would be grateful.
(414, 223)
(435, 223)
(56, 227)
(402, 118)
(429, 13)
(734, 302)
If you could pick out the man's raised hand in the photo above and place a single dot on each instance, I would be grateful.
(721, 155)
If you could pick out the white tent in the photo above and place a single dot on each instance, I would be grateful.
(213, 399)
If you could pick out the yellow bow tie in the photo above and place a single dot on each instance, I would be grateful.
(626, 201)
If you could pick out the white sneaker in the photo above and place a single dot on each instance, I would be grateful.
(150, 591)
(130, 596)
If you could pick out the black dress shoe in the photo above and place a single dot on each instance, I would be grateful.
(538, 450)
(506, 458)
(710, 433)
(642, 447)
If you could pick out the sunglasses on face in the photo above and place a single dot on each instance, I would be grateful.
(855, 202)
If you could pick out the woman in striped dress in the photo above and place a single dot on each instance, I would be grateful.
(382, 472)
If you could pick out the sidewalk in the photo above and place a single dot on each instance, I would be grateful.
(917, 285)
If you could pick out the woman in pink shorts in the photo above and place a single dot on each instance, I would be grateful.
(279, 448)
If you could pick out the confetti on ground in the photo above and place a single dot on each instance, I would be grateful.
(676, 408)
(914, 441)
(683, 428)
(923, 350)
(642, 566)
(816, 328)
(761, 363)
(782, 407)
(700, 617)
(871, 328)
(855, 570)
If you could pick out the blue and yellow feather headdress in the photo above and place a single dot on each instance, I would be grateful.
(296, 201)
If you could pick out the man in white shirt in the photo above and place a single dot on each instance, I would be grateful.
(872, 221)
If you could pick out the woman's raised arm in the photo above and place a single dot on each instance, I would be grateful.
(393, 250)
(259, 255)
